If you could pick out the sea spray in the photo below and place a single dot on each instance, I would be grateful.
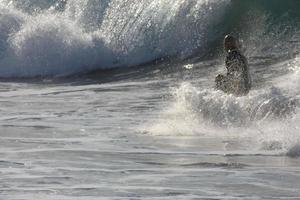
(69, 37)
(268, 117)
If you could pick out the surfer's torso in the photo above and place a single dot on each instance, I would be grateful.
(237, 79)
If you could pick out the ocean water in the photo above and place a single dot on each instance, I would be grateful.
(114, 99)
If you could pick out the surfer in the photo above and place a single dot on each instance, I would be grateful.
(237, 79)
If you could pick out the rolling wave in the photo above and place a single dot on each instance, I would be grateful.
(60, 37)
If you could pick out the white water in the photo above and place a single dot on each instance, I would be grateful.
(268, 114)
(89, 35)
(140, 133)
(141, 139)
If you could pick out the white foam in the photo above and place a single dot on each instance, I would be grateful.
(87, 35)
(270, 116)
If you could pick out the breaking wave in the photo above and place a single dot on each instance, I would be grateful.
(64, 37)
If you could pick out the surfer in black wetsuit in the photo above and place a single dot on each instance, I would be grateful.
(237, 80)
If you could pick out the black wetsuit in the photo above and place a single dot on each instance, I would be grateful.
(237, 80)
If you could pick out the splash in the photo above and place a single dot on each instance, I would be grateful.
(268, 117)
(65, 37)
(57, 38)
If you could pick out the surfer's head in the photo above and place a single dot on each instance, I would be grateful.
(230, 43)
